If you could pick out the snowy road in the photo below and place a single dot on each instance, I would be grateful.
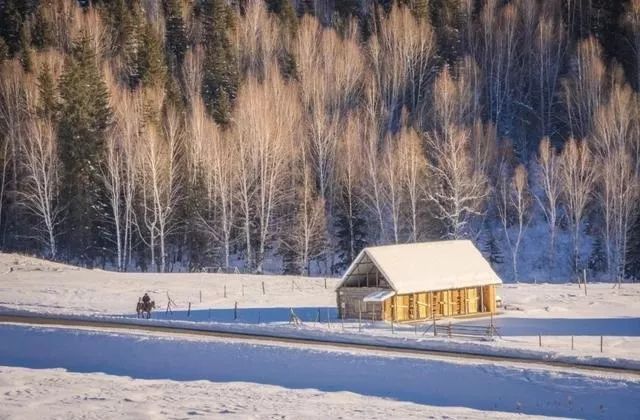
(474, 385)
(300, 339)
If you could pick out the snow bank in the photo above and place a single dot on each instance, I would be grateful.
(478, 386)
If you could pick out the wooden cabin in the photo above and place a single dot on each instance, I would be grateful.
(418, 281)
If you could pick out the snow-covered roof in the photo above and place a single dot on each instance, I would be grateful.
(379, 296)
(425, 266)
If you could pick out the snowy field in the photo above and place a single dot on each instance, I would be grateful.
(440, 385)
(36, 394)
(556, 312)
(124, 374)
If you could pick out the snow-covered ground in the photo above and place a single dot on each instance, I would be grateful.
(37, 394)
(433, 382)
(249, 380)
(555, 311)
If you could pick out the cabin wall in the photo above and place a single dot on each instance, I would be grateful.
(443, 303)
(351, 305)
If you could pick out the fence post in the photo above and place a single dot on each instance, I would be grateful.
(435, 331)
(571, 342)
(601, 344)
(539, 340)
(200, 296)
(584, 280)
(392, 330)
(360, 317)
(189, 310)
(263, 292)
(235, 311)
(318, 317)
(342, 319)
(325, 282)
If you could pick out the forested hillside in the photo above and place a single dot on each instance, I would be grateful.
(287, 135)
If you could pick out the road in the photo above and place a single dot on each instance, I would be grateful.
(266, 338)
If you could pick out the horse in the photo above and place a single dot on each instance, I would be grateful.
(144, 309)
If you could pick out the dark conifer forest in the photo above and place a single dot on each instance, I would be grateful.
(285, 136)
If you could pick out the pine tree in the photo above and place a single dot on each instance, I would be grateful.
(220, 79)
(151, 65)
(25, 50)
(491, 250)
(42, 32)
(351, 234)
(48, 105)
(84, 118)
(633, 251)
(175, 35)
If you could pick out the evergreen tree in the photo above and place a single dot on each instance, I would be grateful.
(151, 65)
(351, 235)
(286, 14)
(25, 49)
(491, 250)
(48, 105)
(4, 50)
(84, 118)
(633, 251)
(42, 32)
(175, 35)
(220, 79)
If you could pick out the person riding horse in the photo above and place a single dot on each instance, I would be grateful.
(144, 306)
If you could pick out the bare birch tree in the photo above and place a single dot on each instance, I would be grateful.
(577, 170)
(350, 163)
(39, 193)
(160, 187)
(267, 121)
(549, 178)
(618, 192)
(412, 172)
(513, 203)
(119, 168)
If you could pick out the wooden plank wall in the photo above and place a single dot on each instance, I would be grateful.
(416, 306)
(440, 304)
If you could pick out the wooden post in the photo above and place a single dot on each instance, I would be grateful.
(601, 344)
(435, 331)
(539, 340)
(571, 342)
(318, 317)
(360, 317)
(235, 311)
(584, 280)
(415, 329)
(325, 282)
(342, 319)
(392, 330)
(200, 296)
(189, 310)
(263, 291)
